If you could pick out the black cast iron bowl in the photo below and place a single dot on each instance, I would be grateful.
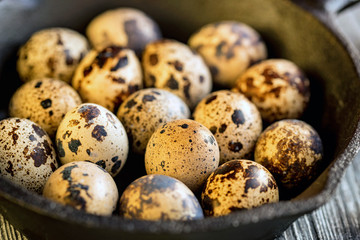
(303, 34)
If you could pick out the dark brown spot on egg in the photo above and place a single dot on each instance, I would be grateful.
(88, 151)
(153, 59)
(89, 112)
(60, 149)
(148, 98)
(269, 74)
(219, 49)
(251, 183)
(46, 103)
(9, 168)
(68, 58)
(122, 62)
(74, 198)
(132, 88)
(53, 167)
(104, 55)
(172, 83)
(235, 146)
(87, 70)
(118, 80)
(184, 126)
(39, 156)
(213, 129)
(74, 145)
(116, 167)
(177, 65)
(101, 163)
(238, 117)
(210, 99)
(51, 64)
(32, 138)
(114, 159)
(99, 133)
(222, 128)
(38, 84)
(38, 130)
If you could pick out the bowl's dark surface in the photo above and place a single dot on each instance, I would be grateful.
(289, 31)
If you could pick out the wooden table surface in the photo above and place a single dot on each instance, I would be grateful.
(339, 218)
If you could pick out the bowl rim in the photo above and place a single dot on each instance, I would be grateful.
(40, 205)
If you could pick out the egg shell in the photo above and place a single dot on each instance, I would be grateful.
(52, 53)
(159, 197)
(278, 87)
(127, 27)
(144, 111)
(292, 151)
(173, 66)
(108, 77)
(236, 185)
(27, 155)
(90, 132)
(234, 120)
(228, 48)
(84, 186)
(44, 101)
(183, 149)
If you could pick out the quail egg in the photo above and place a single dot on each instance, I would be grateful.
(183, 149)
(236, 185)
(159, 197)
(228, 48)
(44, 101)
(127, 27)
(234, 120)
(292, 151)
(108, 77)
(53, 53)
(172, 65)
(27, 155)
(146, 110)
(84, 186)
(278, 88)
(90, 132)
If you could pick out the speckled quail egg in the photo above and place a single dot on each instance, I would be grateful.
(147, 109)
(27, 155)
(183, 149)
(84, 186)
(234, 120)
(90, 132)
(228, 48)
(278, 88)
(126, 27)
(236, 185)
(53, 53)
(44, 101)
(108, 77)
(172, 65)
(159, 197)
(292, 151)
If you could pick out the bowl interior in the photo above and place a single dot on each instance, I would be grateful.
(288, 31)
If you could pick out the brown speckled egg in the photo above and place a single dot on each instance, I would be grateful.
(108, 77)
(172, 65)
(84, 186)
(44, 101)
(292, 151)
(228, 48)
(159, 197)
(126, 27)
(234, 120)
(183, 149)
(147, 109)
(277, 87)
(90, 132)
(53, 53)
(27, 155)
(236, 185)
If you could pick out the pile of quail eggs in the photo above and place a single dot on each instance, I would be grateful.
(215, 121)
